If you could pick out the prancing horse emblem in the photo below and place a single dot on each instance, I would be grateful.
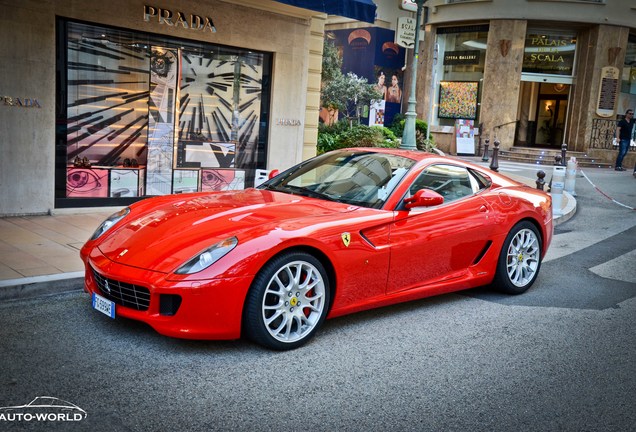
(346, 239)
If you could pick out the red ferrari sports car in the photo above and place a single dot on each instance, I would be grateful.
(345, 231)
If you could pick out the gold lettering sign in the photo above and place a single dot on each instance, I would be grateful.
(549, 54)
(177, 18)
(20, 102)
(288, 122)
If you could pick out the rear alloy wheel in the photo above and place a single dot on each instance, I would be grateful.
(287, 302)
(519, 260)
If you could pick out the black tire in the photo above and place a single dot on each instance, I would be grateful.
(519, 260)
(287, 302)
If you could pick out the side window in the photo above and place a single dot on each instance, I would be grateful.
(482, 181)
(451, 182)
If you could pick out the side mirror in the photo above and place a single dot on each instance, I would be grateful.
(423, 198)
(273, 173)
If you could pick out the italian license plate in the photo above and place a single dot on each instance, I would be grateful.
(104, 305)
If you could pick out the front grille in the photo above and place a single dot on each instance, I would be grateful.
(122, 293)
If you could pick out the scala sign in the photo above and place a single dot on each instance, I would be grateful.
(405, 34)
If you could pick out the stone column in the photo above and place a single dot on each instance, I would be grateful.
(502, 78)
(596, 47)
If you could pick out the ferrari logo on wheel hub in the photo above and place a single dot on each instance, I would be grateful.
(293, 301)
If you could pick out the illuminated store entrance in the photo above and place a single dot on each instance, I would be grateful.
(546, 78)
(542, 114)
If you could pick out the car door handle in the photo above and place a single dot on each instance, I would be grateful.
(483, 209)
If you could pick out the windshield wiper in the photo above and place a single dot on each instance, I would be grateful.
(298, 190)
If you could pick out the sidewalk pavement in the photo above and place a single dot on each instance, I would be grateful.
(39, 255)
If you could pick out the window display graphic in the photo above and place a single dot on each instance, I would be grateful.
(221, 180)
(164, 67)
(144, 114)
(125, 183)
(185, 181)
(83, 183)
(218, 111)
(458, 99)
(210, 154)
(107, 109)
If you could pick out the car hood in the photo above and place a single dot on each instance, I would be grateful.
(161, 234)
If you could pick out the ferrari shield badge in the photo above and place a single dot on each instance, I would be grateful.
(346, 239)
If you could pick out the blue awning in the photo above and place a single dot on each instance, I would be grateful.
(361, 10)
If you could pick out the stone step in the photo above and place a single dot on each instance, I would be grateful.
(582, 161)
(540, 156)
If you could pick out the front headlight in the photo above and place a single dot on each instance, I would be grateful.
(109, 222)
(208, 257)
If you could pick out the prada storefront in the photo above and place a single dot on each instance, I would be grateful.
(104, 104)
(147, 115)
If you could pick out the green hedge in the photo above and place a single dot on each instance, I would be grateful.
(342, 135)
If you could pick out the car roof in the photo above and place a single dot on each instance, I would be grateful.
(417, 155)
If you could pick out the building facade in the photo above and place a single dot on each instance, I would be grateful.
(532, 73)
(104, 103)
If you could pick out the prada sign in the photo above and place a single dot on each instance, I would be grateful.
(176, 18)
(20, 102)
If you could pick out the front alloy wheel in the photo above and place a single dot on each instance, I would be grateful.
(287, 302)
(520, 259)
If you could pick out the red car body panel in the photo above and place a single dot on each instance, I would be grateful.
(393, 255)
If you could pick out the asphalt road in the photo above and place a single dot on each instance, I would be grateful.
(560, 357)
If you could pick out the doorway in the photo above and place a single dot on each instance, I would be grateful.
(542, 114)
(550, 120)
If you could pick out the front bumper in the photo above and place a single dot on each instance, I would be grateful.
(207, 309)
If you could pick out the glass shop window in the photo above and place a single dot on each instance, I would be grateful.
(459, 73)
(628, 84)
(142, 115)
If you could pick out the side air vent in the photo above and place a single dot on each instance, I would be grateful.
(483, 252)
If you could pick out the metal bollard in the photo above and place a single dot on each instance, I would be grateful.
(556, 190)
(564, 149)
(540, 179)
(570, 176)
(485, 156)
(494, 164)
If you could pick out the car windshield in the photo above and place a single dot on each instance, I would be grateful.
(360, 178)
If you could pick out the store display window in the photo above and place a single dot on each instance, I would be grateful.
(459, 71)
(143, 115)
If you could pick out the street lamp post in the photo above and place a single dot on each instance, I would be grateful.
(408, 136)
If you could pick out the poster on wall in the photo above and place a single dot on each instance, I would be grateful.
(465, 136)
(372, 53)
(458, 99)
